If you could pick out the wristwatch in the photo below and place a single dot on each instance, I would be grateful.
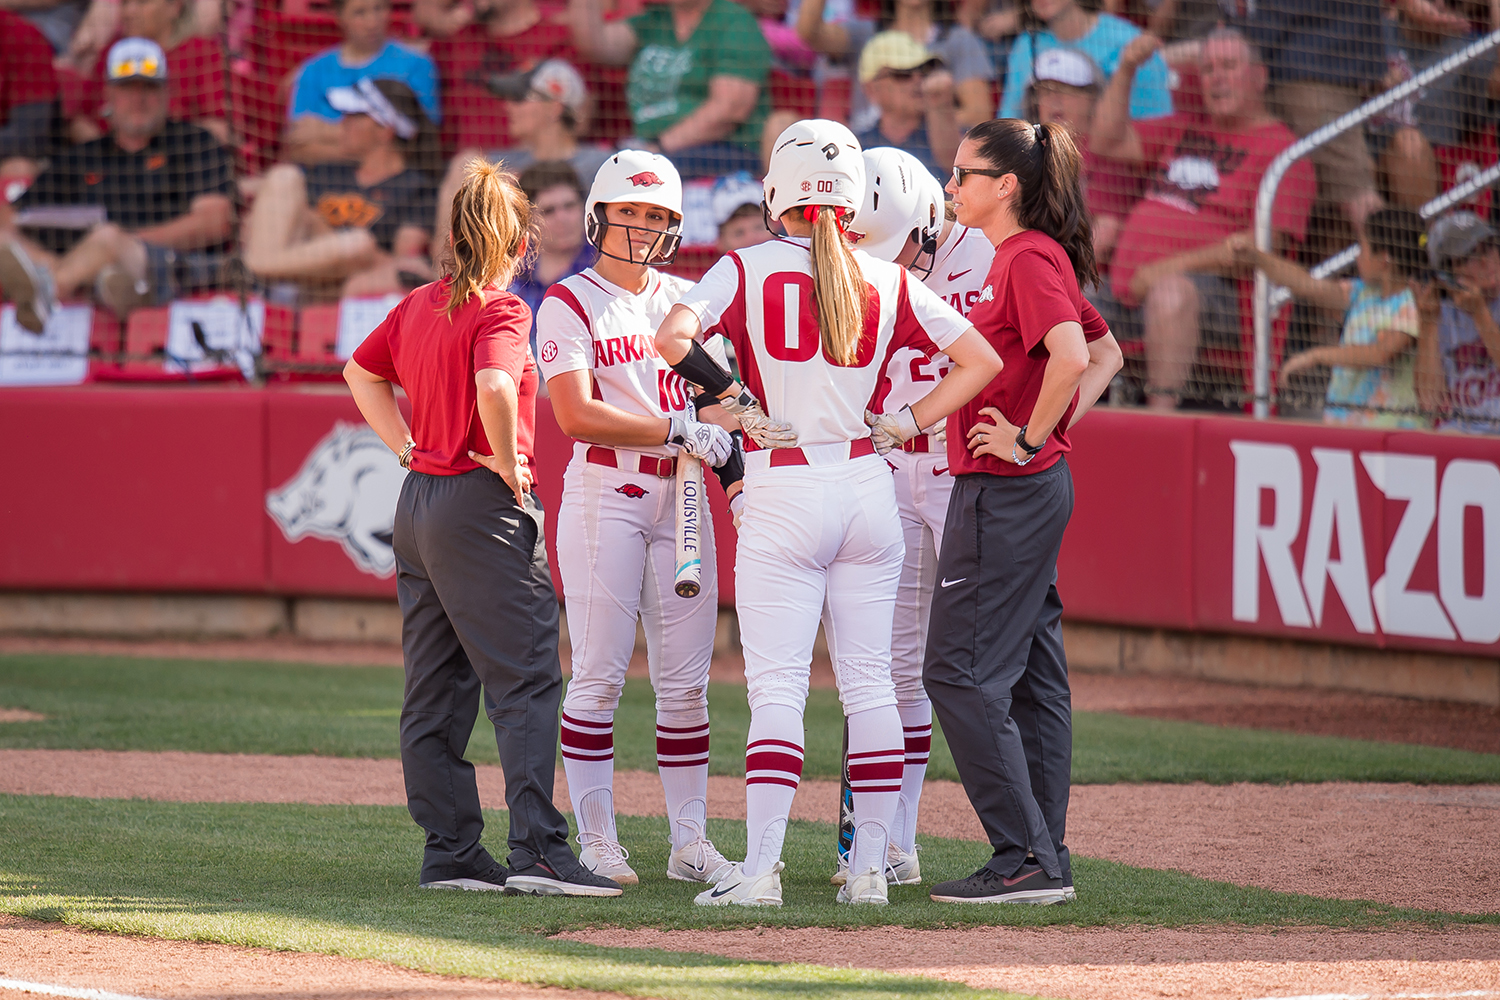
(1021, 442)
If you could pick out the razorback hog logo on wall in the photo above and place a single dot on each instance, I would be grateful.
(1447, 591)
(345, 492)
(644, 179)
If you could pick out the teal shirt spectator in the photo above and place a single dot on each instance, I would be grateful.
(394, 62)
(1150, 97)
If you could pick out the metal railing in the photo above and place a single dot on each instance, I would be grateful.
(1266, 197)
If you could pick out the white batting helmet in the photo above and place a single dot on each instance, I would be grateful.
(902, 199)
(639, 176)
(815, 162)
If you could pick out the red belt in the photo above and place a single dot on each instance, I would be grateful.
(795, 456)
(666, 468)
(919, 445)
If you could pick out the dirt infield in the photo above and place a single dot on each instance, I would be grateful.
(149, 967)
(1330, 839)
(1297, 710)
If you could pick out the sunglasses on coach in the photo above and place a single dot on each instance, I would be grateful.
(959, 173)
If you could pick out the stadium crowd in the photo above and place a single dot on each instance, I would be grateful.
(154, 149)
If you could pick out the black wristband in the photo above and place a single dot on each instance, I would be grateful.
(733, 469)
(699, 368)
(704, 400)
(1021, 442)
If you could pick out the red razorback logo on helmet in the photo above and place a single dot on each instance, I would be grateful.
(645, 179)
(631, 490)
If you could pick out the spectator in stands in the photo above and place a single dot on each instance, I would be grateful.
(55, 19)
(158, 190)
(1101, 36)
(1373, 364)
(1065, 88)
(736, 204)
(547, 107)
(1439, 120)
(476, 41)
(1458, 355)
(28, 97)
(915, 96)
(100, 28)
(357, 227)
(930, 23)
(1181, 25)
(314, 133)
(697, 85)
(1324, 56)
(196, 90)
(1169, 277)
(777, 23)
(996, 22)
(556, 194)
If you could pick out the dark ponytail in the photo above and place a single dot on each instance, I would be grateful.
(1050, 171)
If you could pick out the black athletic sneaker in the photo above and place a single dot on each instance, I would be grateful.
(541, 879)
(1030, 885)
(492, 879)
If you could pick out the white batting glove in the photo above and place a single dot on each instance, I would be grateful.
(706, 442)
(888, 431)
(940, 432)
(762, 429)
(737, 508)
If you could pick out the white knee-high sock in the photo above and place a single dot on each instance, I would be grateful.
(588, 749)
(916, 729)
(773, 769)
(876, 758)
(682, 761)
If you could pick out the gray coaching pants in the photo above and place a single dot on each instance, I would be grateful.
(995, 668)
(477, 607)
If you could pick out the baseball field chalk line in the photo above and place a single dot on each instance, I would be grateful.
(79, 992)
(1390, 996)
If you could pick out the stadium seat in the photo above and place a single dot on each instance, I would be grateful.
(317, 334)
(798, 94)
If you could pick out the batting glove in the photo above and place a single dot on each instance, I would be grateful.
(737, 508)
(888, 431)
(707, 442)
(762, 429)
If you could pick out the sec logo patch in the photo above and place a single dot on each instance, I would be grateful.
(549, 350)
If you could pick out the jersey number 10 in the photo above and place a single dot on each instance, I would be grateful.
(672, 390)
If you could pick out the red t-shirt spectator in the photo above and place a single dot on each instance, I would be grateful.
(1203, 190)
(434, 358)
(1031, 288)
(1111, 187)
(472, 116)
(195, 83)
(26, 76)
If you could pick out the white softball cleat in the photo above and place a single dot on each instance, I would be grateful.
(902, 868)
(607, 858)
(867, 889)
(699, 861)
(738, 889)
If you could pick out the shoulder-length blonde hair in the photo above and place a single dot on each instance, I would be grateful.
(489, 227)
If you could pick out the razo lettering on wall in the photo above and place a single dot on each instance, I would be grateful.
(1336, 521)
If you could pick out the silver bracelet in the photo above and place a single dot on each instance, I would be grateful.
(1017, 458)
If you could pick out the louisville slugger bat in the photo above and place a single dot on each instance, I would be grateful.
(687, 579)
(846, 803)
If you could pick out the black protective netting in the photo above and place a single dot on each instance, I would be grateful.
(247, 176)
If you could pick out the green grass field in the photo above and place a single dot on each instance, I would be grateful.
(139, 704)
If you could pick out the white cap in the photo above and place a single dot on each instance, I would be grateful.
(815, 162)
(135, 59)
(902, 199)
(561, 82)
(733, 192)
(633, 175)
(364, 98)
(1068, 66)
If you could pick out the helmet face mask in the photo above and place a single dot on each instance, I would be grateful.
(665, 242)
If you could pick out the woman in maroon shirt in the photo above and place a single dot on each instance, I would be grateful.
(995, 668)
(477, 604)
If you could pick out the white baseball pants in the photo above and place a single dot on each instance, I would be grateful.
(923, 486)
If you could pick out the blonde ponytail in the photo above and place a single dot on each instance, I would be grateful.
(490, 223)
(839, 288)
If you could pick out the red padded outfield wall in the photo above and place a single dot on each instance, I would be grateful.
(1193, 523)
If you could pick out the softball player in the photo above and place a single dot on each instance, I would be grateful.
(813, 324)
(903, 219)
(631, 416)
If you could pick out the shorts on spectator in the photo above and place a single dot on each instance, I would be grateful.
(174, 273)
(1345, 167)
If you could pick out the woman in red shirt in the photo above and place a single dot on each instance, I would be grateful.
(995, 668)
(477, 604)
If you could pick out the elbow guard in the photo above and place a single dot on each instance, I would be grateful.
(733, 469)
(699, 368)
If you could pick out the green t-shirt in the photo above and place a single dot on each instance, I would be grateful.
(669, 79)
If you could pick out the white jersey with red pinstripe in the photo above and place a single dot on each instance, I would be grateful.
(761, 299)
